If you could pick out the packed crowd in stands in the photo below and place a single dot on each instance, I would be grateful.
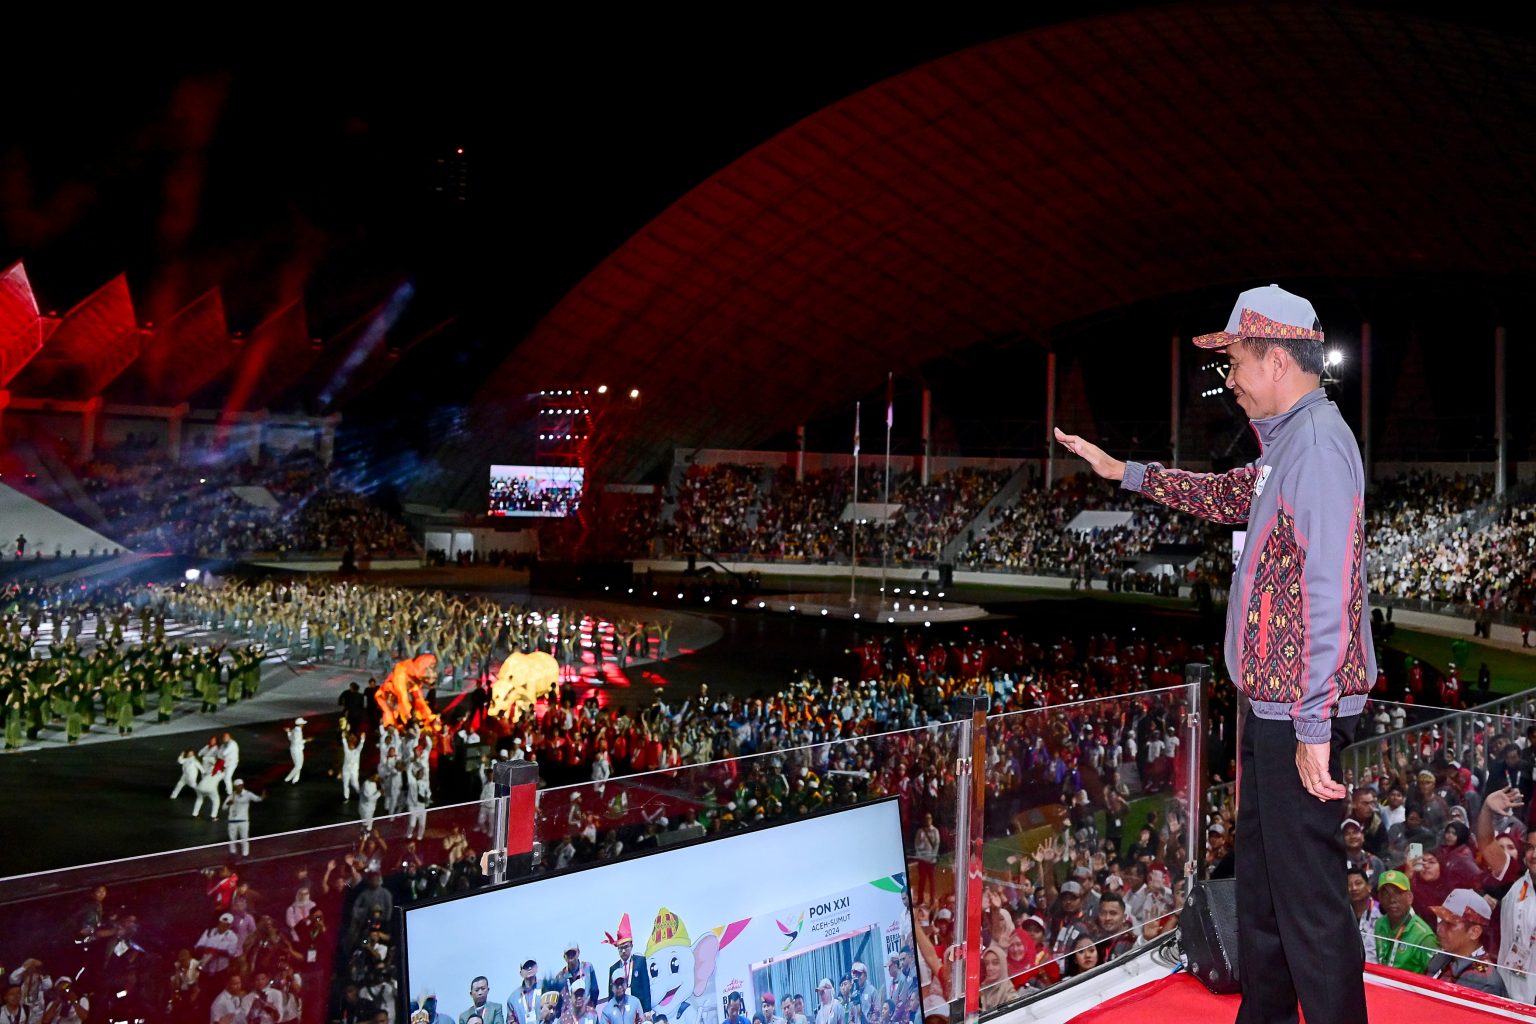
(1031, 535)
(755, 513)
(219, 508)
(1492, 568)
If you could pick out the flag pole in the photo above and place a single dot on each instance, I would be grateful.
(853, 564)
(885, 519)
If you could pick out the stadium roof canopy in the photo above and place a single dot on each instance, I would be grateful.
(1032, 182)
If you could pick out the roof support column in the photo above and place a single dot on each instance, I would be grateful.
(173, 421)
(1050, 418)
(800, 454)
(1174, 395)
(90, 427)
(1365, 399)
(1500, 417)
(927, 434)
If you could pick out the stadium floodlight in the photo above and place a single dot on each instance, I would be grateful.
(602, 389)
(634, 392)
(1335, 357)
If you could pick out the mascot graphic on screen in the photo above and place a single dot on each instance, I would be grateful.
(680, 973)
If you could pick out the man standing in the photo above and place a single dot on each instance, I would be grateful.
(770, 1011)
(489, 1013)
(1298, 646)
(576, 968)
(637, 980)
(1517, 931)
(523, 1007)
(239, 809)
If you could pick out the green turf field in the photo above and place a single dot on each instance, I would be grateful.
(1512, 671)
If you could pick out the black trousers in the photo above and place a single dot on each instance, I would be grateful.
(1297, 937)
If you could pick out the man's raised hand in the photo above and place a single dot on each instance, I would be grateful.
(1098, 461)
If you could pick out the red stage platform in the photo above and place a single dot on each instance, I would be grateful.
(1391, 995)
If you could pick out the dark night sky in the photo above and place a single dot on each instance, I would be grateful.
(302, 161)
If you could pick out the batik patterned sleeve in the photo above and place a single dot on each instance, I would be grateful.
(1219, 497)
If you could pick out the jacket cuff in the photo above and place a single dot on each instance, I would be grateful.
(1135, 473)
(1314, 730)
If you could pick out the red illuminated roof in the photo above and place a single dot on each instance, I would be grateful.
(88, 349)
(1032, 182)
(21, 329)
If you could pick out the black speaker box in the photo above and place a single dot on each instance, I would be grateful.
(1208, 934)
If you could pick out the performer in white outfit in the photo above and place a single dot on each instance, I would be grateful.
(418, 793)
(296, 743)
(229, 750)
(191, 768)
(207, 787)
(368, 801)
(351, 764)
(240, 818)
(390, 777)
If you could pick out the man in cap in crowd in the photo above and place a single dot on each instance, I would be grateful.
(770, 1010)
(1298, 646)
(216, 948)
(581, 1011)
(1403, 939)
(1463, 920)
(523, 1007)
(577, 969)
(637, 979)
(864, 998)
(479, 994)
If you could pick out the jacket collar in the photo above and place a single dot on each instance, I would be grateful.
(1270, 427)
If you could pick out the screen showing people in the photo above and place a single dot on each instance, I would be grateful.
(713, 933)
(542, 491)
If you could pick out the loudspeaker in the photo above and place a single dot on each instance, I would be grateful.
(947, 575)
(1208, 934)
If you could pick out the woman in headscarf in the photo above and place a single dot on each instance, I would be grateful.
(996, 989)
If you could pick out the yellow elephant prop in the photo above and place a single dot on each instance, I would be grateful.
(522, 680)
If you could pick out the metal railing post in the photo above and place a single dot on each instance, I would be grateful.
(970, 818)
(1197, 677)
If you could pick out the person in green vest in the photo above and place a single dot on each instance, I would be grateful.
(208, 686)
(1403, 939)
(236, 680)
(73, 723)
(167, 698)
(124, 716)
(13, 721)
